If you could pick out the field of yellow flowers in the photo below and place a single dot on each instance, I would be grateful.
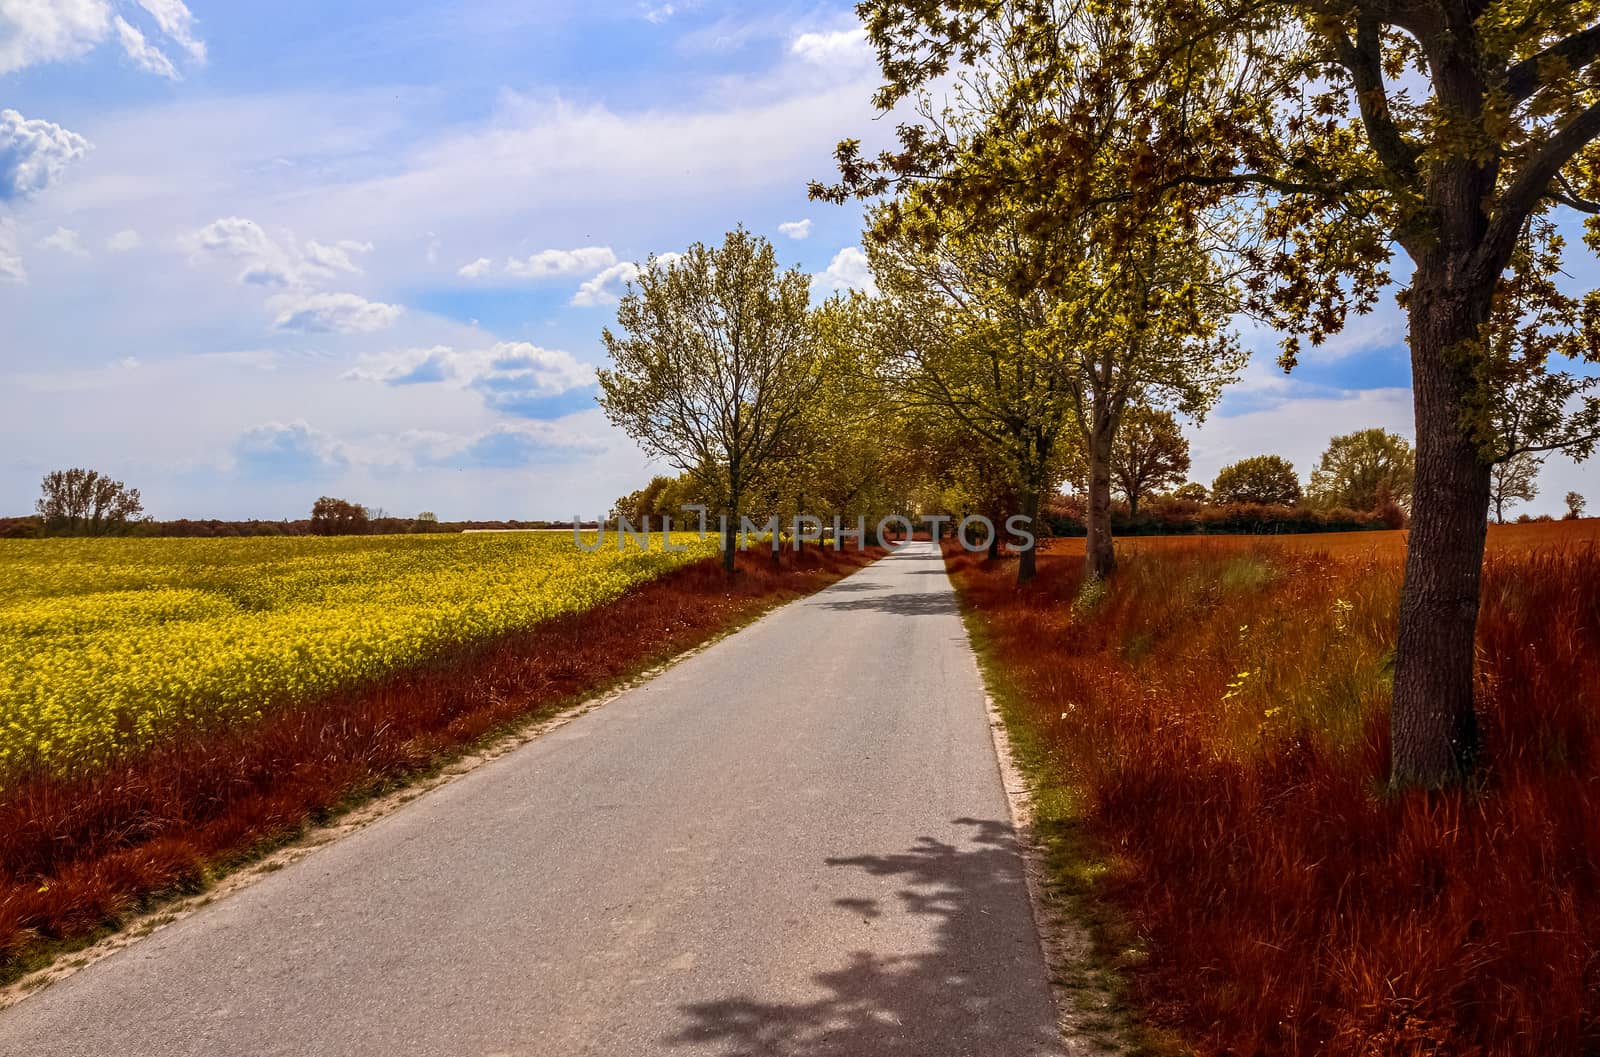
(110, 645)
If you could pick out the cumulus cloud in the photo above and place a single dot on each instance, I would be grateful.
(659, 13)
(11, 270)
(847, 271)
(287, 451)
(34, 32)
(477, 269)
(63, 240)
(796, 229)
(846, 47)
(32, 153)
(324, 313)
(606, 288)
(511, 446)
(270, 261)
(512, 377)
(123, 241)
(550, 263)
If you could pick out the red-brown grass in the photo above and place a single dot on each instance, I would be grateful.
(1220, 714)
(79, 854)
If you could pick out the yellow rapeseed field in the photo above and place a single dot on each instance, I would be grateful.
(108, 645)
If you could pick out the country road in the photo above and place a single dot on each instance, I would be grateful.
(792, 844)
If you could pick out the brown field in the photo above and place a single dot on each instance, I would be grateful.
(1376, 543)
(1209, 733)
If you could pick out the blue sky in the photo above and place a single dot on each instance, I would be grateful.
(253, 253)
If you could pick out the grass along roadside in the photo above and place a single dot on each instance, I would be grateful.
(83, 855)
(1207, 736)
(1088, 977)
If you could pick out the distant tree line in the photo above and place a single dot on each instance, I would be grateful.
(80, 502)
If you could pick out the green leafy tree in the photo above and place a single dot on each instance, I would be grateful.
(714, 367)
(1575, 504)
(1193, 492)
(1149, 453)
(1334, 132)
(1363, 470)
(953, 338)
(1266, 479)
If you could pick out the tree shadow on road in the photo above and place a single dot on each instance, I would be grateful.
(979, 991)
(911, 604)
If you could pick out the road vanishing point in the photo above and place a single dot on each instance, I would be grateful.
(794, 843)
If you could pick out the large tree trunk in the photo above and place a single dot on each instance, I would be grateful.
(1433, 723)
(730, 541)
(1028, 560)
(1100, 556)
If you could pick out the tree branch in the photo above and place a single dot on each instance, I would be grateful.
(1532, 184)
(1364, 60)
(1577, 51)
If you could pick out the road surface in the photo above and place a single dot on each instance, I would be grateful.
(793, 844)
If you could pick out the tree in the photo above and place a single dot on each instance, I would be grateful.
(1193, 492)
(715, 365)
(428, 517)
(1266, 479)
(338, 517)
(645, 503)
(953, 338)
(1149, 453)
(1363, 470)
(1512, 481)
(1575, 504)
(85, 501)
(1342, 130)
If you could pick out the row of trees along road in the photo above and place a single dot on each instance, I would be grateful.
(1294, 145)
(721, 368)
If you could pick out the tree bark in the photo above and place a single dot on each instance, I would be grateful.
(1028, 559)
(1100, 556)
(1433, 722)
(730, 542)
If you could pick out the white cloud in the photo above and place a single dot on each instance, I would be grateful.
(32, 32)
(512, 377)
(288, 451)
(270, 262)
(660, 13)
(145, 55)
(33, 152)
(340, 313)
(548, 263)
(477, 269)
(606, 288)
(847, 271)
(847, 47)
(1297, 427)
(176, 22)
(42, 31)
(11, 270)
(64, 240)
(796, 229)
(124, 240)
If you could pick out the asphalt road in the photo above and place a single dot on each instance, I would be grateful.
(793, 844)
